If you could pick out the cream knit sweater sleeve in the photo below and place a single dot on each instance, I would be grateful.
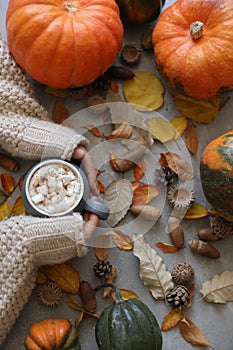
(26, 130)
(27, 242)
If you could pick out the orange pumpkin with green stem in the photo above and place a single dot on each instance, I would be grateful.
(64, 43)
(216, 170)
(193, 46)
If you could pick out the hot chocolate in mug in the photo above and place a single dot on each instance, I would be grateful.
(55, 187)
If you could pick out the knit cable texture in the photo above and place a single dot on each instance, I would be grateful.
(27, 242)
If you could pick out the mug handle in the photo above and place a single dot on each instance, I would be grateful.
(98, 208)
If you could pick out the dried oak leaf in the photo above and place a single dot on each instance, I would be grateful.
(192, 334)
(18, 207)
(101, 247)
(166, 248)
(145, 91)
(180, 123)
(219, 289)
(8, 182)
(201, 111)
(161, 129)
(118, 197)
(171, 319)
(5, 210)
(191, 139)
(60, 113)
(65, 276)
(152, 270)
(122, 240)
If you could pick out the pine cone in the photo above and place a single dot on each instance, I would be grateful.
(220, 227)
(165, 175)
(103, 269)
(183, 273)
(178, 296)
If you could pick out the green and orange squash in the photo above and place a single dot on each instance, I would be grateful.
(216, 171)
(64, 43)
(140, 11)
(127, 324)
(193, 47)
(52, 334)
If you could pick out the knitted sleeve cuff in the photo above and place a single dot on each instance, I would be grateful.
(32, 139)
(55, 240)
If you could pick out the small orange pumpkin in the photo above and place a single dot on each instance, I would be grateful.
(52, 334)
(64, 43)
(193, 46)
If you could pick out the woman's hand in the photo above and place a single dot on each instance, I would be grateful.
(91, 222)
(81, 154)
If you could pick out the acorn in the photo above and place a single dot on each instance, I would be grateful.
(87, 296)
(131, 53)
(176, 232)
(204, 248)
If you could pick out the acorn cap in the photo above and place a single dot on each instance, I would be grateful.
(180, 196)
(183, 273)
(220, 227)
(131, 53)
(50, 294)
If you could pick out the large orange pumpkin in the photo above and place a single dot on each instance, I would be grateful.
(193, 46)
(64, 43)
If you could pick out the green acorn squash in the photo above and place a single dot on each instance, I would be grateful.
(216, 171)
(127, 325)
(140, 11)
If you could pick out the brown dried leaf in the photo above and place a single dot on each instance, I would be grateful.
(191, 139)
(5, 211)
(139, 170)
(145, 91)
(122, 241)
(18, 207)
(20, 183)
(201, 111)
(171, 319)
(180, 124)
(179, 166)
(192, 334)
(60, 113)
(166, 248)
(144, 194)
(111, 279)
(94, 130)
(78, 320)
(191, 295)
(126, 294)
(161, 129)
(8, 183)
(123, 131)
(127, 160)
(101, 247)
(77, 306)
(65, 276)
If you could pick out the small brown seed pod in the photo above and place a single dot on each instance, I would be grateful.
(204, 248)
(176, 232)
(8, 163)
(183, 273)
(119, 72)
(206, 234)
(87, 296)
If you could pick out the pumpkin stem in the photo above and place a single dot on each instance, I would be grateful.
(70, 5)
(196, 30)
(117, 292)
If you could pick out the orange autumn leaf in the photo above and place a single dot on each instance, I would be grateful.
(192, 334)
(60, 113)
(20, 183)
(18, 207)
(126, 294)
(122, 241)
(5, 211)
(196, 211)
(65, 276)
(139, 170)
(166, 248)
(100, 186)
(94, 130)
(101, 247)
(191, 139)
(171, 319)
(144, 194)
(135, 184)
(180, 124)
(191, 295)
(8, 183)
(114, 86)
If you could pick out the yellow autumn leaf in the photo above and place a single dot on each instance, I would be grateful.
(201, 111)
(65, 276)
(160, 129)
(180, 124)
(145, 91)
(5, 211)
(196, 211)
(18, 207)
(126, 294)
(122, 241)
(171, 319)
